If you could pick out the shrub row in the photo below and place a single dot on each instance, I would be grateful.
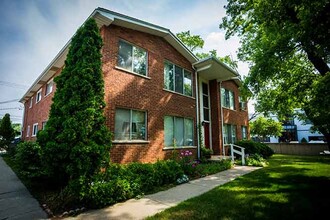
(252, 147)
(122, 182)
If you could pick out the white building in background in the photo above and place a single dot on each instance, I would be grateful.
(295, 130)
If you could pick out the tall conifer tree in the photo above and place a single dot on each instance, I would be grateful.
(76, 141)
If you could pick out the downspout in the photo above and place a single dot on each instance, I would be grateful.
(223, 138)
(197, 113)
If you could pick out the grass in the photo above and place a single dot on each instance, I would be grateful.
(291, 187)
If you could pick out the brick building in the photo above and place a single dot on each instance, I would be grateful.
(158, 93)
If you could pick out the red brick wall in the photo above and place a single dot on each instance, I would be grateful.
(126, 90)
(39, 112)
(235, 117)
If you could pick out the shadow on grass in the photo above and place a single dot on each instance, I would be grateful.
(287, 189)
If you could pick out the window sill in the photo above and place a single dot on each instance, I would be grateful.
(130, 72)
(130, 142)
(229, 109)
(47, 94)
(180, 147)
(177, 93)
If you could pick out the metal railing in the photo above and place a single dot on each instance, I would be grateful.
(241, 152)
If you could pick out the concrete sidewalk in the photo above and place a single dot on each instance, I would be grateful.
(151, 204)
(16, 201)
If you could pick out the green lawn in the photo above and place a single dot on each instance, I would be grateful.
(291, 187)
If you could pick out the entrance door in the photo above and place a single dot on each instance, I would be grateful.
(207, 134)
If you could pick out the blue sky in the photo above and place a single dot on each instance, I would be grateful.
(32, 32)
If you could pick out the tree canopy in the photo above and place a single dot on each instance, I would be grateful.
(287, 44)
(194, 42)
(76, 141)
(7, 133)
(263, 127)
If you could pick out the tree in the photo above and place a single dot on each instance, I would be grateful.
(7, 133)
(263, 127)
(287, 45)
(76, 142)
(194, 42)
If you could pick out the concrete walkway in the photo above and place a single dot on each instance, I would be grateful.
(16, 201)
(149, 205)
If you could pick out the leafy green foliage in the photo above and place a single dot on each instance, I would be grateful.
(122, 182)
(287, 44)
(28, 160)
(194, 42)
(206, 153)
(7, 133)
(252, 148)
(256, 160)
(263, 127)
(76, 141)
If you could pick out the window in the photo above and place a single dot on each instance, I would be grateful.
(31, 101)
(38, 97)
(242, 103)
(28, 131)
(43, 125)
(132, 58)
(244, 132)
(35, 130)
(130, 125)
(177, 79)
(49, 87)
(229, 132)
(206, 107)
(178, 130)
(227, 98)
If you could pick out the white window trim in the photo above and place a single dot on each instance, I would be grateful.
(33, 129)
(183, 146)
(50, 81)
(222, 104)
(28, 131)
(131, 71)
(130, 128)
(39, 92)
(183, 71)
(31, 102)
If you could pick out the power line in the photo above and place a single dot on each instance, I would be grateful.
(13, 85)
(13, 100)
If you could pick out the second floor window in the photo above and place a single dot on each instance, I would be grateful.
(49, 87)
(177, 79)
(38, 97)
(227, 98)
(132, 58)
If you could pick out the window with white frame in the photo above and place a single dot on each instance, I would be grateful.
(177, 79)
(227, 98)
(31, 102)
(178, 131)
(242, 103)
(132, 58)
(35, 130)
(244, 132)
(38, 96)
(43, 125)
(49, 87)
(229, 132)
(130, 124)
(28, 131)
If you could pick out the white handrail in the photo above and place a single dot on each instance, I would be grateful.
(239, 152)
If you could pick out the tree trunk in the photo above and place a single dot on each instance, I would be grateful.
(317, 61)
